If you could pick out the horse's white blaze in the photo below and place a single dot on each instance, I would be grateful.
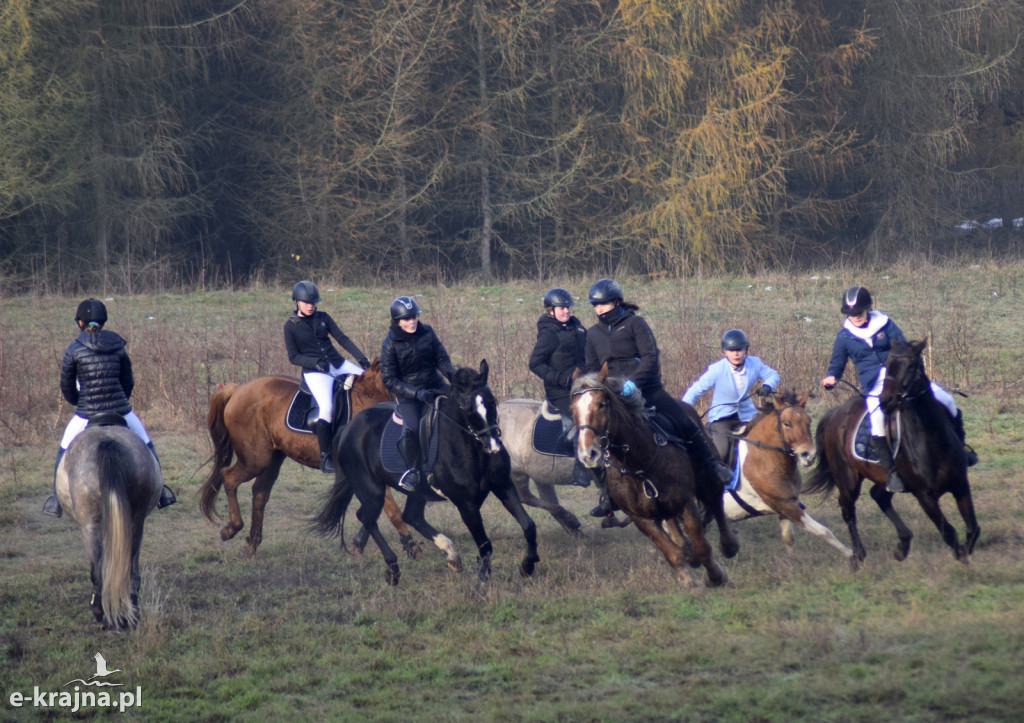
(587, 452)
(494, 445)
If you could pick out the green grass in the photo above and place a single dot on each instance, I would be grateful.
(602, 631)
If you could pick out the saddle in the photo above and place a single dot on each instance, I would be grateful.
(390, 457)
(303, 410)
(107, 419)
(861, 448)
(548, 434)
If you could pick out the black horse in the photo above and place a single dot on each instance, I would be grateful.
(928, 455)
(471, 462)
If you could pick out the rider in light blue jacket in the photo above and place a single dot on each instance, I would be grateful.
(732, 380)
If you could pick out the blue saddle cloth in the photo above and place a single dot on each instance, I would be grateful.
(303, 411)
(548, 438)
(862, 441)
(390, 457)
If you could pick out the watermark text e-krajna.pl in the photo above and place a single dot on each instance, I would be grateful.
(73, 701)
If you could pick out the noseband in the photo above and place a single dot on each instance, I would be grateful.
(480, 435)
(604, 444)
(788, 449)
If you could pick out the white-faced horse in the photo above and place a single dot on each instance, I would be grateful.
(108, 482)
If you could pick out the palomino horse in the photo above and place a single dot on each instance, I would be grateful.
(654, 483)
(769, 450)
(471, 463)
(928, 455)
(107, 482)
(247, 424)
(517, 418)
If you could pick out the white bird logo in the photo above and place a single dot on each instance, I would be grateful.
(101, 667)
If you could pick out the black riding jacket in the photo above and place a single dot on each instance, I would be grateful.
(308, 341)
(96, 374)
(624, 340)
(413, 361)
(560, 350)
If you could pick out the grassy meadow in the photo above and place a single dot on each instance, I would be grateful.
(602, 631)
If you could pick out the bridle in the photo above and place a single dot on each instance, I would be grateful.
(483, 435)
(605, 445)
(912, 388)
(788, 449)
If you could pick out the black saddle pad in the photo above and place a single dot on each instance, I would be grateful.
(548, 438)
(390, 457)
(301, 412)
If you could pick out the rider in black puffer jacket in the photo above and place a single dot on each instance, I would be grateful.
(412, 359)
(96, 377)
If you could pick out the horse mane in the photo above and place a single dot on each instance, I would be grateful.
(632, 406)
(786, 396)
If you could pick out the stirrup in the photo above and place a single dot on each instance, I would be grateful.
(51, 507)
(409, 481)
(894, 483)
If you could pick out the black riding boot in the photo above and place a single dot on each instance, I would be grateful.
(605, 507)
(409, 448)
(51, 506)
(580, 475)
(958, 427)
(893, 482)
(324, 436)
(167, 497)
(697, 447)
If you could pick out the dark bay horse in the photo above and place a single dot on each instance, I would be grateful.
(771, 448)
(247, 425)
(471, 463)
(927, 454)
(654, 484)
(108, 482)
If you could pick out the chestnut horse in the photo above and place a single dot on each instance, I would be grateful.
(247, 424)
(654, 483)
(928, 455)
(770, 448)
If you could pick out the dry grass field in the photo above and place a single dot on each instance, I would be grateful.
(602, 631)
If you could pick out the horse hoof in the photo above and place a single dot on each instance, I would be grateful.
(455, 565)
(227, 533)
(392, 575)
(854, 564)
(527, 567)
(730, 551)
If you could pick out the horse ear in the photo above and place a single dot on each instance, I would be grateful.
(801, 400)
(484, 369)
(918, 346)
(576, 374)
(603, 374)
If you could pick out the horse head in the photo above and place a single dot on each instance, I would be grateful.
(905, 378)
(478, 409)
(600, 411)
(794, 425)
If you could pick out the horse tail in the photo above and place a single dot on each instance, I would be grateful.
(820, 478)
(222, 452)
(114, 466)
(331, 520)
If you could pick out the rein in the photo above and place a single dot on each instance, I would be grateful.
(481, 435)
(788, 450)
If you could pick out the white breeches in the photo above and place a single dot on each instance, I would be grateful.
(77, 424)
(321, 386)
(877, 416)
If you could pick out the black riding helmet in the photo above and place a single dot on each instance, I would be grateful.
(92, 311)
(856, 300)
(557, 297)
(734, 340)
(404, 307)
(306, 291)
(604, 291)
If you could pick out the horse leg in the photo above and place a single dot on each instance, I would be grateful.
(367, 514)
(672, 553)
(786, 530)
(470, 514)
(675, 532)
(695, 532)
(233, 477)
(411, 547)
(413, 514)
(965, 504)
(508, 497)
(261, 488)
(546, 499)
(96, 601)
(727, 541)
(883, 498)
(930, 504)
(790, 513)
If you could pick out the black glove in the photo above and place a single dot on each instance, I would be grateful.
(364, 363)
(322, 365)
(764, 390)
(425, 395)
